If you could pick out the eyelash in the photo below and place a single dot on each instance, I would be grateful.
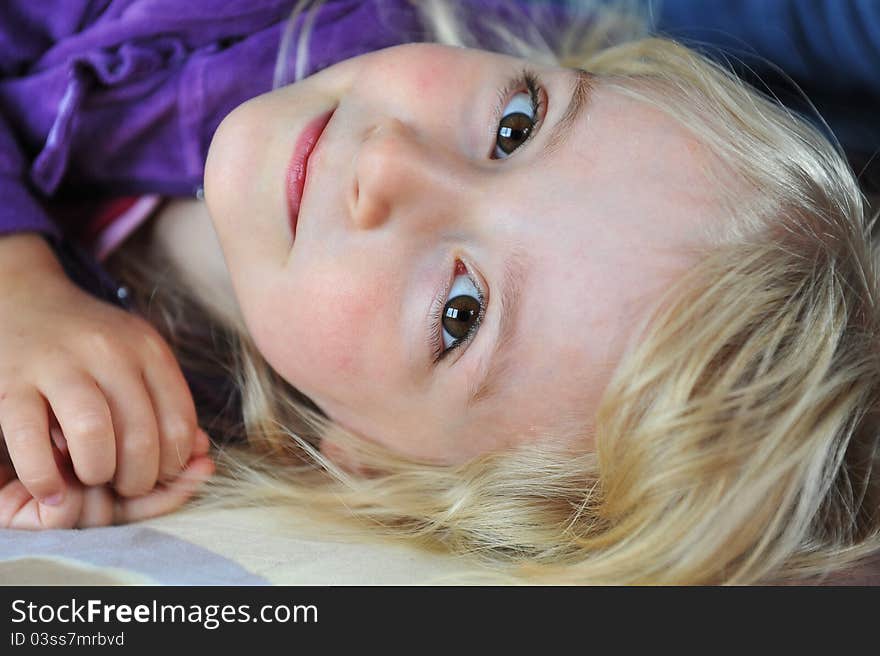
(531, 83)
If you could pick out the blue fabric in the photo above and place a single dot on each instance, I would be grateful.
(158, 557)
(829, 44)
(830, 48)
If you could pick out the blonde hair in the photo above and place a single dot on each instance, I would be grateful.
(737, 439)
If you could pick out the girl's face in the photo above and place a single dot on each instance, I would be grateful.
(552, 231)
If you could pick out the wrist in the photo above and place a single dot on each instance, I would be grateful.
(27, 251)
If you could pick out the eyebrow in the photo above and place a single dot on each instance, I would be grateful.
(580, 97)
(500, 359)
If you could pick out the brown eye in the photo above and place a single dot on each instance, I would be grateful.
(463, 310)
(460, 314)
(517, 123)
(514, 131)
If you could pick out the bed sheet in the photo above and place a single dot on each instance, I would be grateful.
(213, 547)
(246, 546)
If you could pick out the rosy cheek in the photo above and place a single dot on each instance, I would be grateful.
(433, 71)
(330, 334)
(432, 80)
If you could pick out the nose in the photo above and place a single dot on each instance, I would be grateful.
(399, 173)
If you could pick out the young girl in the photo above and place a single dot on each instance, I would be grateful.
(601, 313)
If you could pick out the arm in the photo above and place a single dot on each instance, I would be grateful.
(20, 211)
(123, 416)
(103, 387)
(27, 250)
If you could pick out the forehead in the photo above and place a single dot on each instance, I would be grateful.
(606, 218)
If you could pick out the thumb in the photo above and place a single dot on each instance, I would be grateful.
(202, 443)
(165, 497)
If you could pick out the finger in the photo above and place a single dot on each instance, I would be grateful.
(58, 438)
(24, 418)
(174, 407)
(13, 495)
(32, 515)
(97, 507)
(134, 423)
(35, 516)
(202, 443)
(167, 496)
(85, 421)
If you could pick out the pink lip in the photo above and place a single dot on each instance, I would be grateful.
(299, 162)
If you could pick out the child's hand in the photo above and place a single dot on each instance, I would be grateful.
(98, 505)
(106, 376)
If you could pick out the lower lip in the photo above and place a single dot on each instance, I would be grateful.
(296, 170)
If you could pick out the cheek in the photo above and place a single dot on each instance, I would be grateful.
(433, 77)
(425, 76)
(325, 331)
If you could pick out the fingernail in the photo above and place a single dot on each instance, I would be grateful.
(53, 500)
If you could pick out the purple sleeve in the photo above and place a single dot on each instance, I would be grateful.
(19, 210)
(27, 30)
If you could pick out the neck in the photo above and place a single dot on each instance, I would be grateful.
(184, 233)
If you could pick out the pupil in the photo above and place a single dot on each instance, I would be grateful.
(514, 130)
(459, 314)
